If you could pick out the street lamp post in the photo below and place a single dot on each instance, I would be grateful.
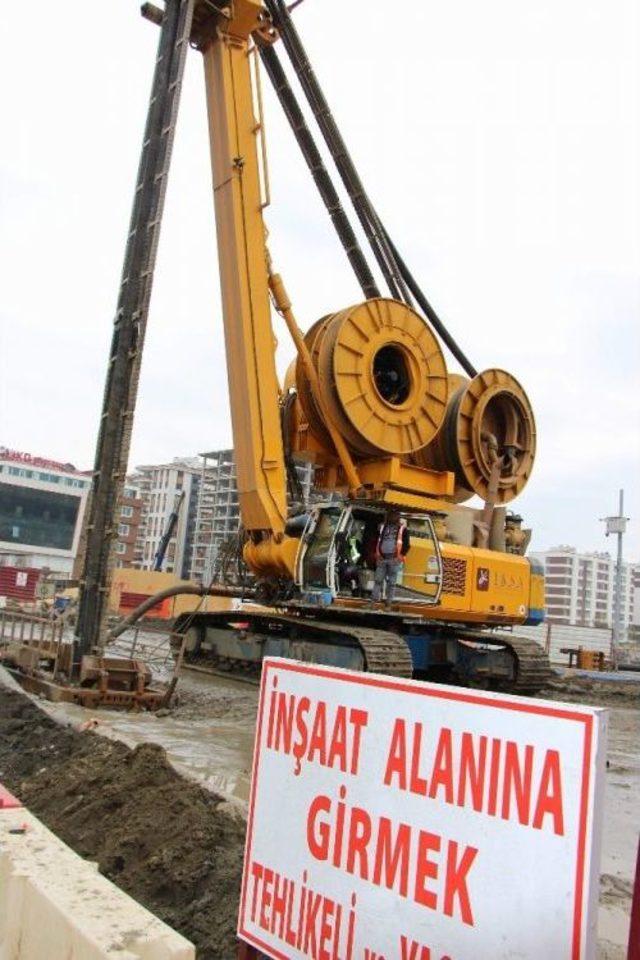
(617, 525)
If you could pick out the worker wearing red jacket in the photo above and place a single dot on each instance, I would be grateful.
(393, 545)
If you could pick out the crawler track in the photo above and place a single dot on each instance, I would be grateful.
(533, 670)
(532, 667)
(383, 651)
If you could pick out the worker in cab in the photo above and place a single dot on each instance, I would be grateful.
(393, 545)
(350, 569)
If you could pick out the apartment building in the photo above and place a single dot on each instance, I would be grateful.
(160, 487)
(216, 517)
(209, 510)
(634, 626)
(131, 522)
(580, 588)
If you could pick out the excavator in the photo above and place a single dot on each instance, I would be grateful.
(370, 403)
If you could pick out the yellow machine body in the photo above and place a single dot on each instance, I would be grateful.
(477, 585)
(272, 557)
(414, 435)
(249, 340)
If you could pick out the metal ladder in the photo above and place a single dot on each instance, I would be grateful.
(123, 371)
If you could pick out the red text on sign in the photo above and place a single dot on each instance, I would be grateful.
(489, 775)
(312, 731)
(420, 865)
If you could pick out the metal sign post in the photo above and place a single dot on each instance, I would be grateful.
(617, 526)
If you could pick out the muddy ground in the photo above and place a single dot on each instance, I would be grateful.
(597, 693)
(175, 844)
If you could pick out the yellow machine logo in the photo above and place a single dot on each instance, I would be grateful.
(508, 581)
(487, 579)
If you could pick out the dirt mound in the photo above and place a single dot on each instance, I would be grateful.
(596, 692)
(199, 704)
(164, 840)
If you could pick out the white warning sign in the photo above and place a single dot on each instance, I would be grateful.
(397, 820)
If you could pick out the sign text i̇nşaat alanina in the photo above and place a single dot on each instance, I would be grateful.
(392, 818)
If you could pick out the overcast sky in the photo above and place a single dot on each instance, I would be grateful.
(500, 143)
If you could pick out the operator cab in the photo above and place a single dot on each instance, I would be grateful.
(337, 555)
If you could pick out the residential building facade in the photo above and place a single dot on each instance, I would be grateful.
(217, 512)
(131, 525)
(216, 517)
(634, 626)
(209, 512)
(160, 486)
(580, 588)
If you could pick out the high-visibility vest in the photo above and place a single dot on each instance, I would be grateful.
(353, 554)
(398, 551)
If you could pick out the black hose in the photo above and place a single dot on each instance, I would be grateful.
(429, 312)
(338, 149)
(319, 172)
(401, 282)
(293, 480)
(192, 589)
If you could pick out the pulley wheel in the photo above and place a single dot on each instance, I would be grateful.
(383, 377)
(487, 417)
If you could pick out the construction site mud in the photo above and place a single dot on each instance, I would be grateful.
(594, 691)
(158, 801)
(172, 845)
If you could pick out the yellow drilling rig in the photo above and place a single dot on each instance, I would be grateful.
(368, 401)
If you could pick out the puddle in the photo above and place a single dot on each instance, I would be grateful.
(216, 747)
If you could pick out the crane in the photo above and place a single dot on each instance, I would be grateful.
(169, 530)
(370, 402)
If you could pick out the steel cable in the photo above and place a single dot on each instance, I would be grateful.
(400, 281)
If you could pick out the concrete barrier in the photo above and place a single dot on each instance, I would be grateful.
(55, 904)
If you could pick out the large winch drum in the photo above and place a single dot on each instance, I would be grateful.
(382, 375)
(488, 417)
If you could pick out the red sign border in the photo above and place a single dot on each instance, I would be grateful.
(428, 690)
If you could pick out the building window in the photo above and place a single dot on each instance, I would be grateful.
(39, 518)
(121, 547)
(123, 529)
(126, 511)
